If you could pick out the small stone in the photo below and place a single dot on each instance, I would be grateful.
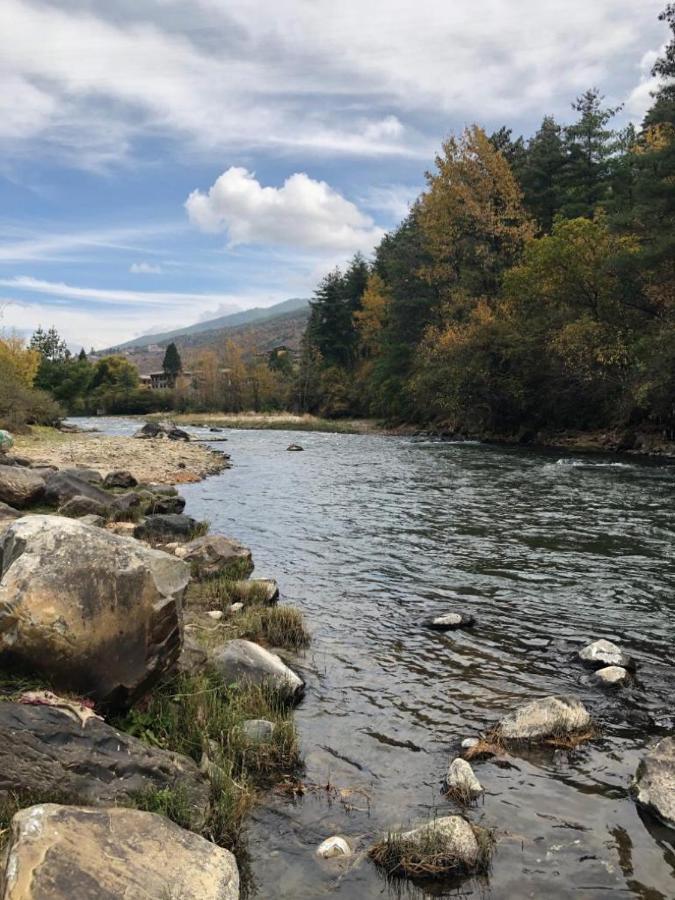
(600, 654)
(469, 743)
(236, 607)
(461, 779)
(450, 621)
(215, 614)
(611, 676)
(258, 730)
(334, 847)
(294, 448)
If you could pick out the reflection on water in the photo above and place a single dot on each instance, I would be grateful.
(369, 535)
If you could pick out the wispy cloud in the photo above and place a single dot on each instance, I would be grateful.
(43, 247)
(145, 268)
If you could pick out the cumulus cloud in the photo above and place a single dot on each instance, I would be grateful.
(302, 213)
(145, 268)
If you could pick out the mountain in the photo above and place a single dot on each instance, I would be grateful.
(233, 320)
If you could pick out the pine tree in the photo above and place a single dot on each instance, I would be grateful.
(172, 364)
(540, 174)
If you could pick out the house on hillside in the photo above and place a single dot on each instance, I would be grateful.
(163, 381)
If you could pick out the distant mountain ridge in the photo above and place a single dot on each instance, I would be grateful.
(233, 320)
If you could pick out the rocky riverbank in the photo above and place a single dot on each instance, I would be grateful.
(142, 701)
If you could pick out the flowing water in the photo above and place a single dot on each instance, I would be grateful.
(369, 535)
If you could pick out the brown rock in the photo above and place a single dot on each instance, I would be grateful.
(95, 613)
(19, 486)
(74, 853)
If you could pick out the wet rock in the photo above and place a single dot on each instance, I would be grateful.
(20, 487)
(611, 676)
(93, 612)
(51, 749)
(165, 526)
(84, 473)
(258, 730)
(120, 478)
(545, 718)
(450, 621)
(241, 661)
(462, 781)
(64, 486)
(295, 448)
(603, 653)
(78, 853)
(334, 847)
(7, 515)
(214, 554)
(80, 506)
(654, 783)
(451, 835)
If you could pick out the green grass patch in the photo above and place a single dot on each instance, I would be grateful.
(222, 591)
(274, 626)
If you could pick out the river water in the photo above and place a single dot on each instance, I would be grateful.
(369, 535)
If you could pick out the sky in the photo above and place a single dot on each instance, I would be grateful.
(163, 162)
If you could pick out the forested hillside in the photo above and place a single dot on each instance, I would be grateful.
(532, 285)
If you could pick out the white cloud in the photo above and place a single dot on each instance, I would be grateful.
(302, 213)
(641, 97)
(145, 268)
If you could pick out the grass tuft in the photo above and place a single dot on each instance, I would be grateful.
(430, 855)
(275, 626)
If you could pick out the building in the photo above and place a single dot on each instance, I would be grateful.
(163, 381)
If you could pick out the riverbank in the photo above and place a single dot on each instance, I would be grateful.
(274, 421)
(162, 462)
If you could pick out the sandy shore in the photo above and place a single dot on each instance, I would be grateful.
(161, 461)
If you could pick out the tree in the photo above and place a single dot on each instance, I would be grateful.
(540, 174)
(49, 345)
(172, 364)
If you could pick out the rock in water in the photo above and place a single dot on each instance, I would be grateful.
(48, 750)
(93, 612)
(295, 448)
(75, 853)
(462, 781)
(611, 676)
(654, 783)
(333, 847)
(603, 653)
(242, 661)
(20, 487)
(450, 621)
(450, 836)
(214, 554)
(545, 718)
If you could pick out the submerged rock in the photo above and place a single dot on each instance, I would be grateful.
(241, 661)
(545, 718)
(76, 853)
(611, 676)
(450, 621)
(654, 783)
(601, 654)
(93, 612)
(333, 847)
(214, 554)
(60, 749)
(20, 487)
(462, 781)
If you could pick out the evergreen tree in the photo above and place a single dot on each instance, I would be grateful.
(540, 174)
(172, 364)
(49, 345)
(82, 356)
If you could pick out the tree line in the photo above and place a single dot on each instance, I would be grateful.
(531, 286)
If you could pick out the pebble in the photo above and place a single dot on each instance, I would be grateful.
(333, 847)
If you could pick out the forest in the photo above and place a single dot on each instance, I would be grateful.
(531, 286)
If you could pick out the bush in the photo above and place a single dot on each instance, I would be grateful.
(21, 405)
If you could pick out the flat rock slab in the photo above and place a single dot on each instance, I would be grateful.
(48, 750)
(97, 614)
(240, 661)
(601, 654)
(77, 853)
(545, 718)
(654, 783)
(20, 487)
(450, 621)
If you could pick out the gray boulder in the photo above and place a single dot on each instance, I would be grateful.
(95, 613)
(611, 676)
(63, 486)
(84, 473)
(58, 748)
(654, 783)
(450, 621)
(214, 554)
(20, 487)
(545, 718)
(120, 478)
(450, 836)
(162, 430)
(604, 653)
(78, 853)
(165, 527)
(242, 661)
(83, 506)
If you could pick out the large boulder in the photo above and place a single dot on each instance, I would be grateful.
(83, 506)
(120, 478)
(601, 654)
(64, 486)
(214, 554)
(162, 430)
(241, 661)
(166, 527)
(77, 853)
(546, 718)
(95, 613)
(50, 746)
(20, 487)
(654, 783)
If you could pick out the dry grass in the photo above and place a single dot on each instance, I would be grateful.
(429, 856)
(274, 626)
(277, 421)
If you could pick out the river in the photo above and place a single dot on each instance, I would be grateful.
(369, 535)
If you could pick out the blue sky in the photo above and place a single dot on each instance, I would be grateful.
(166, 161)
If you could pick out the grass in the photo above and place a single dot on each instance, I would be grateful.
(430, 855)
(222, 591)
(274, 626)
(275, 421)
(493, 743)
